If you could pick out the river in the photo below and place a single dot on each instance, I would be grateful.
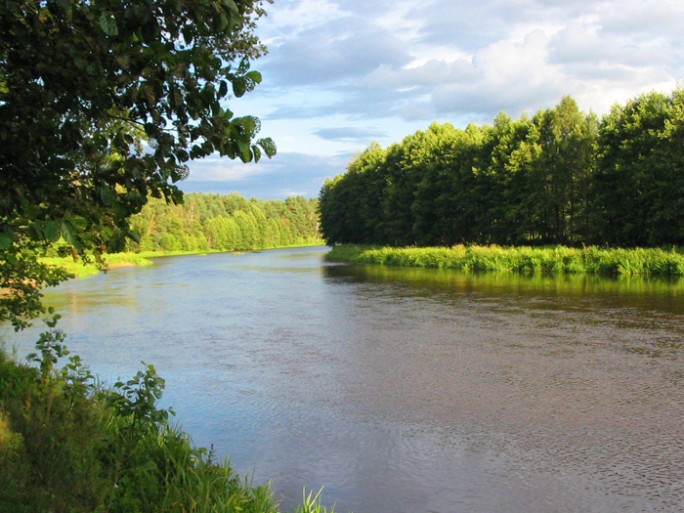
(404, 391)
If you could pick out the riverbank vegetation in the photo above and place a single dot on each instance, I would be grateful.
(79, 269)
(206, 222)
(203, 223)
(560, 177)
(527, 260)
(68, 444)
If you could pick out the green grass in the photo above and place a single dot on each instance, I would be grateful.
(524, 259)
(79, 269)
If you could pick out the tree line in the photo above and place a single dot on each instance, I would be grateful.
(559, 177)
(224, 222)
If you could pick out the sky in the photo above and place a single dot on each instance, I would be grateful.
(343, 73)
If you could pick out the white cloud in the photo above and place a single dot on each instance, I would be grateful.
(285, 175)
(342, 70)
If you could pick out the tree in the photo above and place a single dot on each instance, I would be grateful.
(640, 173)
(103, 104)
(349, 205)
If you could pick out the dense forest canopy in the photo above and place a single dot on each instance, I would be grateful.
(225, 223)
(559, 177)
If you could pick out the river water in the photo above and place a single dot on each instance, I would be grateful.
(405, 391)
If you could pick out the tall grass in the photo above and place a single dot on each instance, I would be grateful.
(523, 259)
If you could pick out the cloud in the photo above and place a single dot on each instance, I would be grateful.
(348, 133)
(344, 49)
(341, 73)
(285, 175)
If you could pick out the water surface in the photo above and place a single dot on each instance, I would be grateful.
(406, 391)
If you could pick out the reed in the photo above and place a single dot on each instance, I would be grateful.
(522, 259)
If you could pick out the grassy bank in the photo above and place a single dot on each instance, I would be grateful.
(69, 445)
(114, 260)
(548, 260)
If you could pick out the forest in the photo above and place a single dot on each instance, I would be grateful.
(559, 177)
(224, 223)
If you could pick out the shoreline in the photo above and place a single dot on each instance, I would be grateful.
(556, 260)
(114, 261)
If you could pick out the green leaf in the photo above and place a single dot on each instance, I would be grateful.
(108, 24)
(69, 234)
(51, 231)
(269, 146)
(5, 241)
(239, 86)
(133, 235)
(248, 123)
(107, 196)
(230, 4)
(254, 76)
(257, 153)
(244, 152)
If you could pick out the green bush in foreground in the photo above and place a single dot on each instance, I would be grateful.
(549, 260)
(69, 445)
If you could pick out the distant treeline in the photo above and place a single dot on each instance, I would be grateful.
(224, 222)
(560, 177)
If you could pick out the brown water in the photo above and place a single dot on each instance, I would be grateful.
(407, 391)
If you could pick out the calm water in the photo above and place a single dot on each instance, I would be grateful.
(406, 391)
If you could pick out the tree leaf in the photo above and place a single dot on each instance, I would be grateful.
(108, 24)
(67, 231)
(231, 5)
(254, 76)
(135, 236)
(107, 196)
(239, 86)
(257, 153)
(268, 145)
(5, 241)
(51, 230)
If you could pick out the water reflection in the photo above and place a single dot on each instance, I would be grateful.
(408, 390)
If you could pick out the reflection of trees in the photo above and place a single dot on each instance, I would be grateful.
(637, 292)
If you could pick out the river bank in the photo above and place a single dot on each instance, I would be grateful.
(79, 269)
(521, 259)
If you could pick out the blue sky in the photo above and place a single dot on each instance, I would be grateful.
(342, 73)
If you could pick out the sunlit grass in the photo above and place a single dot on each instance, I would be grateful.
(79, 269)
(523, 259)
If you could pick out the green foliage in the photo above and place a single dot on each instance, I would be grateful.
(22, 275)
(212, 222)
(521, 259)
(560, 177)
